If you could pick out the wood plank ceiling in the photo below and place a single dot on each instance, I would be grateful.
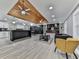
(31, 15)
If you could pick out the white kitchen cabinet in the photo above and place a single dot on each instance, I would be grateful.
(4, 25)
(4, 34)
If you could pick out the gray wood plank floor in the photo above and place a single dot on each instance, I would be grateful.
(30, 48)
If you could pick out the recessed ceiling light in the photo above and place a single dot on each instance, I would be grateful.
(50, 8)
(41, 20)
(13, 22)
(53, 16)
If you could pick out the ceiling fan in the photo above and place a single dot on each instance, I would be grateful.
(23, 9)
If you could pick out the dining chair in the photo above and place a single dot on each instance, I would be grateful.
(67, 46)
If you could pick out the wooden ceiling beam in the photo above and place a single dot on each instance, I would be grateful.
(34, 16)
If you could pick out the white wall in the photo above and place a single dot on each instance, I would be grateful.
(76, 28)
(27, 27)
(68, 26)
(76, 23)
(44, 28)
(61, 28)
(12, 26)
(21, 26)
(65, 27)
(18, 26)
(72, 26)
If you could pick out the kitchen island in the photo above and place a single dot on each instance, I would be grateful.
(18, 34)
